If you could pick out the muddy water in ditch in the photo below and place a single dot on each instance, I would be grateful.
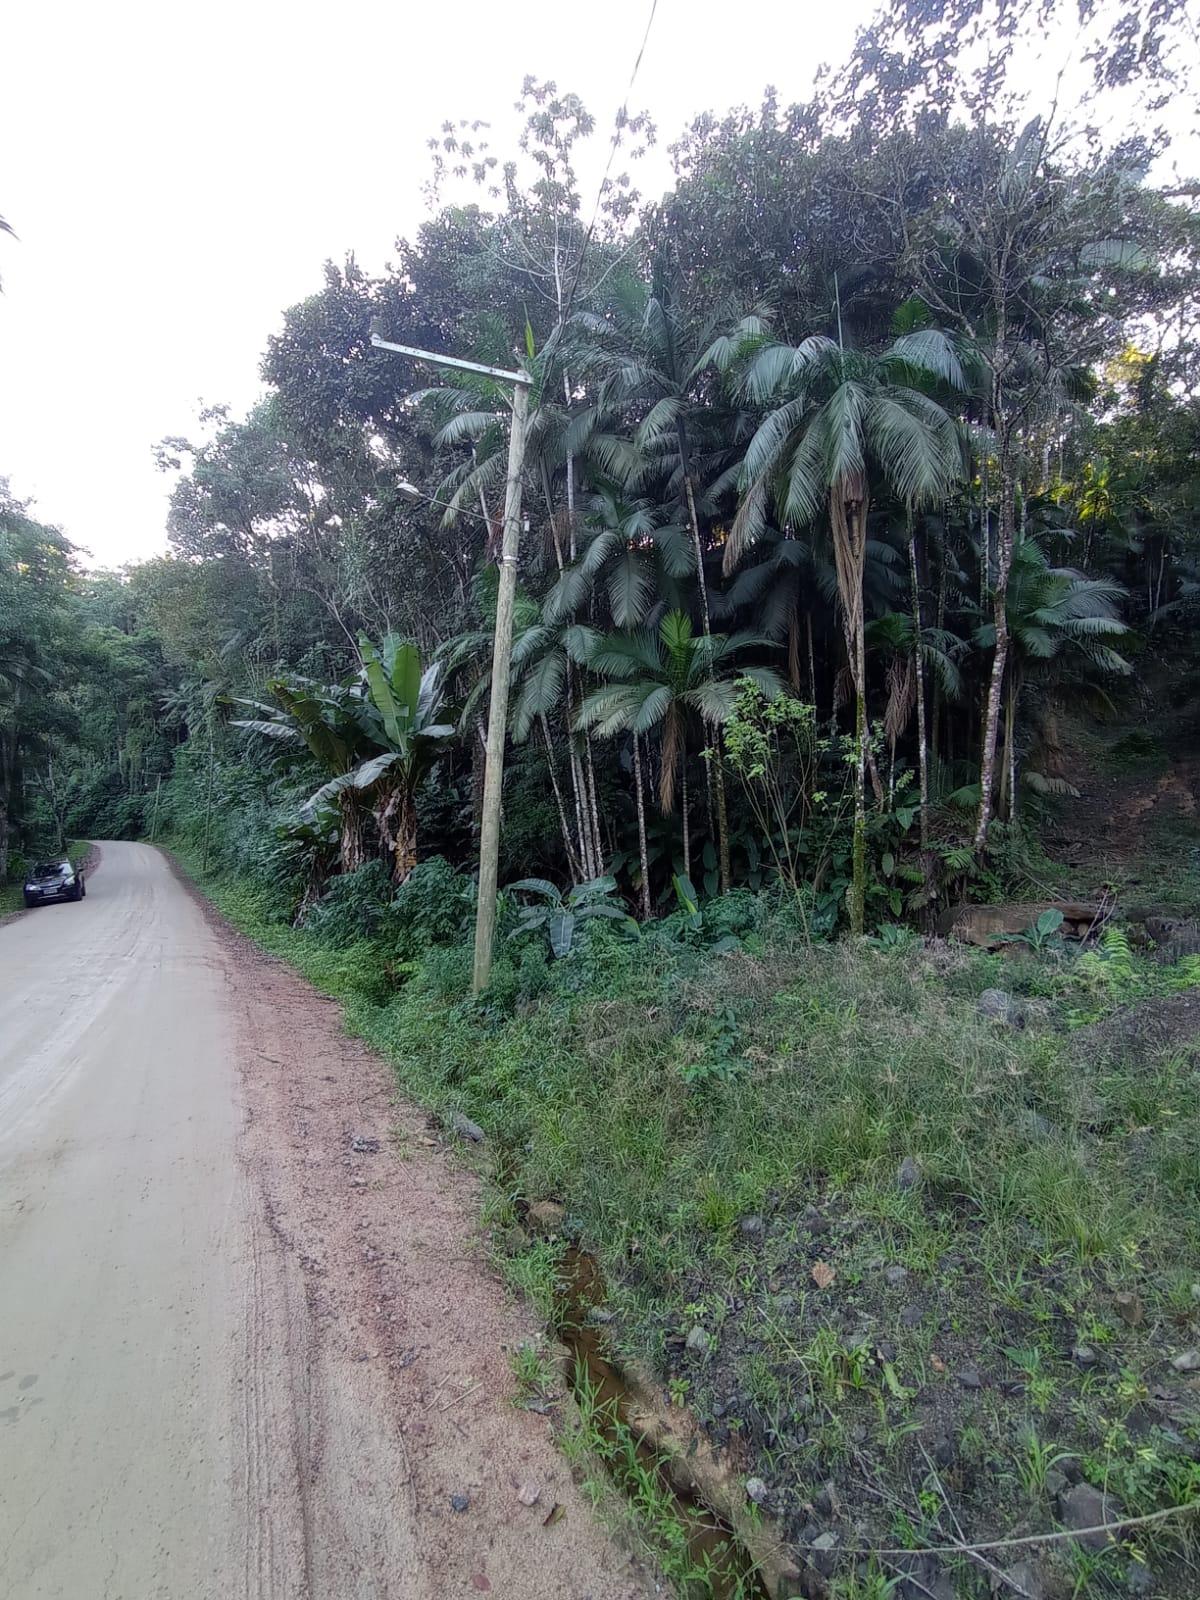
(712, 1546)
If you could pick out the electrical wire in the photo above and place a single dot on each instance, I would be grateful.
(622, 116)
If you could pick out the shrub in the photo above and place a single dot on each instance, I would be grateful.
(353, 908)
(433, 907)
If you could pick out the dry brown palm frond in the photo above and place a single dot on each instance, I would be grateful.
(842, 686)
(902, 697)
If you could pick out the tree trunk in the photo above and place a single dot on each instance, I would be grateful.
(686, 819)
(577, 788)
(570, 458)
(396, 819)
(723, 852)
(992, 705)
(935, 744)
(568, 842)
(793, 652)
(351, 845)
(922, 744)
(718, 775)
(643, 849)
(592, 809)
(812, 661)
(1008, 788)
(858, 883)
(848, 516)
(685, 465)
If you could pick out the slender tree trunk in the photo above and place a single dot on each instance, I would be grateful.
(570, 463)
(723, 851)
(568, 842)
(935, 743)
(858, 884)
(922, 743)
(585, 843)
(793, 652)
(812, 661)
(848, 517)
(718, 775)
(1009, 801)
(985, 530)
(593, 809)
(686, 816)
(643, 849)
(579, 791)
(685, 466)
(992, 705)
(548, 496)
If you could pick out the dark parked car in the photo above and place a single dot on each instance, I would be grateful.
(54, 880)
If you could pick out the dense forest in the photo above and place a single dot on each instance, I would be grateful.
(891, 419)
(859, 578)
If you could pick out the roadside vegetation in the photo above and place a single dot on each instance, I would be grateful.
(922, 1265)
(859, 583)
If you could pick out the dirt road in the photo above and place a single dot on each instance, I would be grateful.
(240, 1357)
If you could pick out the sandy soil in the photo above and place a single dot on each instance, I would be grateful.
(239, 1357)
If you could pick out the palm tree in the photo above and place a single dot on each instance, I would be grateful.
(910, 653)
(631, 554)
(1061, 625)
(546, 661)
(842, 424)
(649, 359)
(653, 360)
(666, 680)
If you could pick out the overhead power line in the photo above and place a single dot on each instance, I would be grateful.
(622, 119)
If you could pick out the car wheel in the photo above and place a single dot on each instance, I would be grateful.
(83, 888)
(30, 902)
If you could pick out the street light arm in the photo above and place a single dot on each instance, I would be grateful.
(452, 361)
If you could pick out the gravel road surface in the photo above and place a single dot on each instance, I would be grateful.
(239, 1356)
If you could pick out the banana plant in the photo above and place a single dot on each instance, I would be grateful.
(400, 711)
(325, 719)
(560, 914)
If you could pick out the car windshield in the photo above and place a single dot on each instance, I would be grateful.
(49, 869)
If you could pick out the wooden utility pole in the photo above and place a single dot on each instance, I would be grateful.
(493, 776)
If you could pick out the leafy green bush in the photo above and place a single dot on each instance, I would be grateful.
(435, 906)
(353, 907)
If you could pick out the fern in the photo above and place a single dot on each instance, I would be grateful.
(959, 858)
(1185, 974)
(1111, 968)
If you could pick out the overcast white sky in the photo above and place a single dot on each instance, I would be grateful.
(178, 174)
